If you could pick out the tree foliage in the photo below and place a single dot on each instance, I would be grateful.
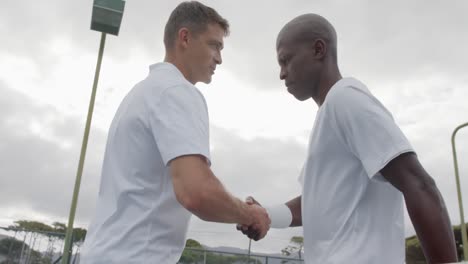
(33, 231)
(12, 249)
(415, 254)
(197, 256)
(296, 246)
(79, 235)
(192, 243)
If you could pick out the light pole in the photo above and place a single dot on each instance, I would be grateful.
(248, 255)
(460, 201)
(106, 18)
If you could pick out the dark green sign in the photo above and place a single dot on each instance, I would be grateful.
(107, 16)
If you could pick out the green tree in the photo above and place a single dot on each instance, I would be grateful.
(192, 243)
(79, 235)
(415, 254)
(459, 242)
(33, 230)
(12, 248)
(59, 227)
(191, 256)
(57, 234)
(32, 225)
(296, 245)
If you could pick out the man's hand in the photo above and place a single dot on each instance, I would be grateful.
(259, 229)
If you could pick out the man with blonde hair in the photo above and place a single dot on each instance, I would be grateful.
(156, 169)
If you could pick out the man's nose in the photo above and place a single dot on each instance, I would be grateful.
(218, 58)
(283, 74)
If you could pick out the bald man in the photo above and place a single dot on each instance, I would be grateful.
(359, 167)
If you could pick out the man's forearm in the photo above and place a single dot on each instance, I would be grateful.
(215, 204)
(428, 213)
(295, 207)
(199, 191)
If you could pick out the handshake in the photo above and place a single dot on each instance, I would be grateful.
(260, 221)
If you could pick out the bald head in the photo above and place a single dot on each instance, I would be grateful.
(306, 29)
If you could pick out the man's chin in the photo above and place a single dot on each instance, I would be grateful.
(291, 91)
(206, 81)
(300, 97)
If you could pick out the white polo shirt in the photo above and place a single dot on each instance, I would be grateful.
(350, 213)
(138, 218)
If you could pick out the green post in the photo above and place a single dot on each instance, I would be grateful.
(106, 18)
(460, 200)
(67, 249)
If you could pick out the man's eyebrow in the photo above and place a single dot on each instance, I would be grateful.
(282, 56)
(217, 43)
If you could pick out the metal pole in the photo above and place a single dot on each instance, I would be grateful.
(10, 248)
(248, 256)
(76, 191)
(22, 248)
(460, 201)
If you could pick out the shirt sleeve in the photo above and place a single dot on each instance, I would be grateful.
(368, 129)
(179, 123)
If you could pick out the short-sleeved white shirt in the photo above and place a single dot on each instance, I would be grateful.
(138, 218)
(350, 213)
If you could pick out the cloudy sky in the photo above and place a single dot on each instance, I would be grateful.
(411, 54)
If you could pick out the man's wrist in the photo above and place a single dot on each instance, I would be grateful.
(247, 212)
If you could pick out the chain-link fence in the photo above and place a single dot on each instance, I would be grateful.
(23, 246)
(203, 256)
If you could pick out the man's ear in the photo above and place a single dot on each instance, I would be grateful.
(183, 37)
(319, 48)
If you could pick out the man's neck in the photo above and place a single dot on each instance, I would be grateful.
(326, 83)
(170, 58)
